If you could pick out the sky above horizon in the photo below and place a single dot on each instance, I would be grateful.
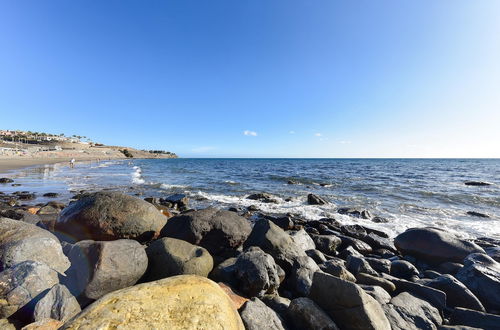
(257, 78)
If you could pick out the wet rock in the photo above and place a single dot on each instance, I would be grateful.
(377, 292)
(170, 256)
(467, 317)
(378, 242)
(457, 294)
(257, 316)
(20, 241)
(326, 243)
(364, 214)
(481, 274)
(313, 199)
(257, 273)
(477, 214)
(368, 279)
(434, 246)
(51, 195)
(406, 311)
(378, 219)
(101, 267)
(477, 183)
(219, 231)
(350, 306)
(493, 252)
(107, 215)
(263, 197)
(403, 269)
(20, 215)
(21, 284)
(357, 244)
(285, 223)
(6, 180)
(184, 301)
(58, 304)
(302, 239)
(306, 314)
(177, 201)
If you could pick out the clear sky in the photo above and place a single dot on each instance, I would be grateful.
(257, 78)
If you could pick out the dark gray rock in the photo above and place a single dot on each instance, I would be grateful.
(263, 197)
(326, 243)
(316, 255)
(359, 265)
(378, 293)
(305, 314)
(467, 317)
(219, 231)
(378, 242)
(362, 278)
(313, 199)
(277, 304)
(347, 303)
(477, 214)
(493, 252)
(20, 241)
(21, 284)
(20, 215)
(364, 214)
(57, 304)
(403, 269)
(6, 180)
(380, 265)
(257, 273)
(257, 316)
(302, 239)
(357, 244)
(224, 272)
(406, 311)
(98, 268)
(477, 183)
(349, 251)
(177, 201)
(481, 274)
(106, 215)
(50, 195)
(336, 268)
(170, 256)
(285, 223)
(434, 245)
(457, 294)
(449, 267)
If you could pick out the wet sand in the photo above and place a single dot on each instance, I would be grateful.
(17, 163)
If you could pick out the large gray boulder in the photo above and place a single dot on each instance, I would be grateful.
(434, 245)
(347, 303)
(481, 274)
(306, 314)
(326, 243)
(218, 231)
(257, 316)
(257, 274)
(98, 268)
(21, 284)
(57, 304)
(471, 318)
(406, 311)
(170, 256)
(302, 239)
(457, 294)
(337, 268)
(106, 216)
(20, 241)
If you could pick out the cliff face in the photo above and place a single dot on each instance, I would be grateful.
(144, 154)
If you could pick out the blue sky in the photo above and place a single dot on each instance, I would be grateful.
(301, 78)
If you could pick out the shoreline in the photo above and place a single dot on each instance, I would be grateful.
(10, 164)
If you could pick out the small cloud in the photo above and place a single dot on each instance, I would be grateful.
(291, 132)
(344, 142)
(250, 133)
(318, 134)
(323, 139)
(203, 149)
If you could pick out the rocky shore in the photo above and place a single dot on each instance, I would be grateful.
(108, 260)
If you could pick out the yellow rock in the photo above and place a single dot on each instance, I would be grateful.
(46, 324)
(178, 302)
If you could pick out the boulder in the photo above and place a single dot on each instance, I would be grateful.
(306, 314)
(20, 241)
(218, 231)
(20, 285)
(57, 304)
(98, 268)
(6, 180)
(106, 216)
(380, 295)
(170, 256)
(406, 311)
(364, 214)
(45, 324)
(21, 215)
(481, 274)
(299, 280)
(316, 255)
(467, 317)
(380, 265)
(362, 278)
(177, 302)
(434, 246)
(237, 300)
(477, 214)
(302, 239)
(477, 183)
(224, 272)
(403, 269)
(257, 273)
(335, 268)
(326, 243)
(277, 304)
(449, 267)
(347, 303)
(457, 294)
(263, 197)
(257, 316)
(359, 265)
(313, 199)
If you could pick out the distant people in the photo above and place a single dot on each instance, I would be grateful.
(72, 163)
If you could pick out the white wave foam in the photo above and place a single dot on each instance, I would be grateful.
(165, 186)
(136, 175)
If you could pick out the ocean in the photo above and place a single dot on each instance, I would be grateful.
(407, 192)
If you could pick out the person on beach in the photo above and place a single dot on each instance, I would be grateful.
(72, 163)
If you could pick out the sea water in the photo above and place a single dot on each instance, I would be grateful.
(407, 192)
